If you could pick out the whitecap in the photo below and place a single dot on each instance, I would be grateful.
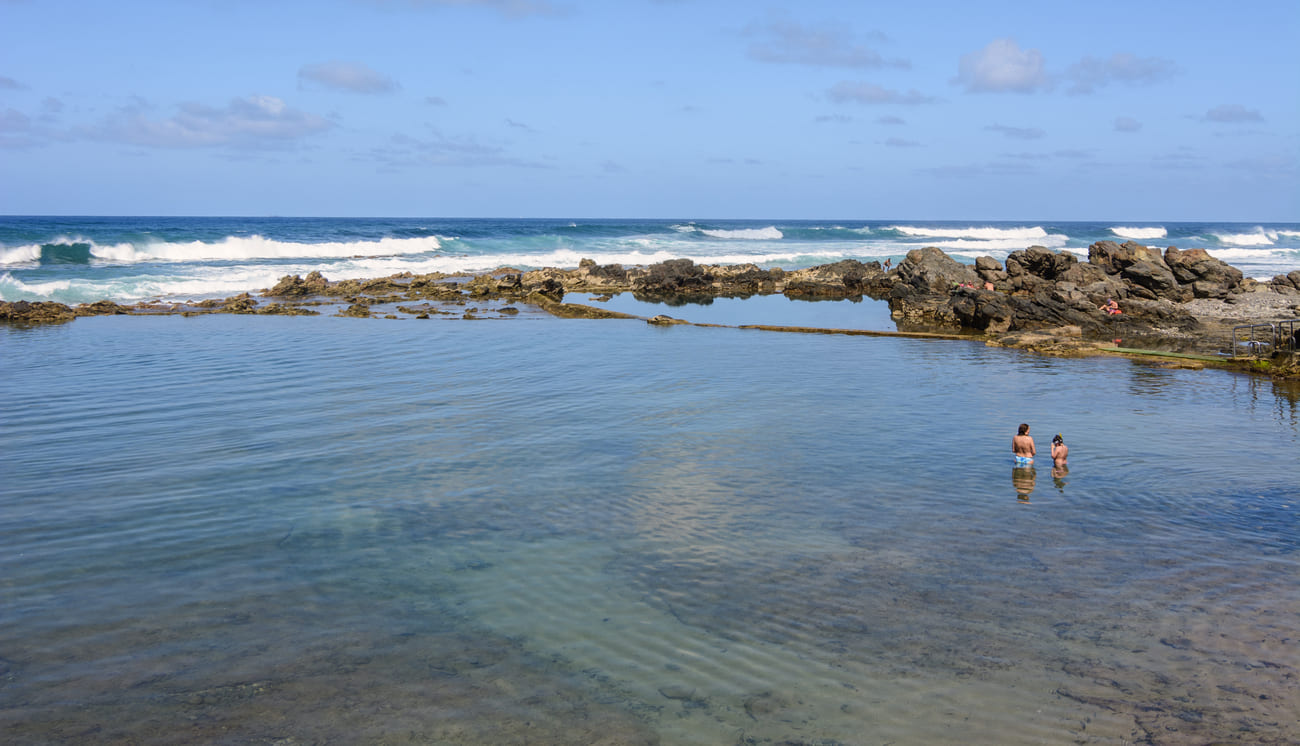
(28, 254)
(1139, 234)
(11, 288)
(1259, 237)
(769, 233)
(987, 233)
(1047, 240)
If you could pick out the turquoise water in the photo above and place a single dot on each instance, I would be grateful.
(229, 529)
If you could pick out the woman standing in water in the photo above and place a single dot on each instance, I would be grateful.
(1022, 447)
(1060, 451)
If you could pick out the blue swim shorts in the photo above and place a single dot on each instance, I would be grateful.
(1024, 460)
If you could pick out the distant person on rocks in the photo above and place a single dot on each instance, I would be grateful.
(1111, 307)
(888, 263)
(1022, 446)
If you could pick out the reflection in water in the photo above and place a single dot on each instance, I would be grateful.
(1146, 382)
(1023, 479)
(1059, 473)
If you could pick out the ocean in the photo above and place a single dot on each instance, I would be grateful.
(82, 260)
(258, 529)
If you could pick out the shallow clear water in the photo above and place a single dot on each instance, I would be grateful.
(231, 529)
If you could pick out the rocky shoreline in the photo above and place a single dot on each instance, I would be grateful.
(1178, 301)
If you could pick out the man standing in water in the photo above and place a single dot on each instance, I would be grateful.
(1022, 447)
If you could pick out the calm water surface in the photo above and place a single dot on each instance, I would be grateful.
(231, 529)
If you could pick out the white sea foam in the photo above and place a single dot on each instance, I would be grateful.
(769, 233)
(258, 247)
(20, 255)
(11, 288)
(1237, 254)
(234, 248)
(1047, 240)
(1258, 237)
(1139, 234)
(1032, 233)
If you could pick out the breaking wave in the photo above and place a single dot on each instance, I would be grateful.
(1139, 234)
(769, 233)
(67, 250)
(1258, 237)
(1034, 233)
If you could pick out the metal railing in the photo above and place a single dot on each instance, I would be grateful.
(1264, 340)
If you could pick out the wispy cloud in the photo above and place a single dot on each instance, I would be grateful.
(976, 170)
(785, 41)
(1002, 67)
(12, 120)
(254, 122)
(352, 77)
(898, 142)
(867, 93)
(404, 151)
(9, 84)
(508, 8)
(1127, 124)
(1091, 73)
(1017, 133)
(1232, 114)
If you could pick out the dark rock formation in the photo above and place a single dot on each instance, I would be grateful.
(101, 308)
(293, 286)
(1206, 276)
(38, 312)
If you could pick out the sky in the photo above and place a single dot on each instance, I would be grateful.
(1134, 111)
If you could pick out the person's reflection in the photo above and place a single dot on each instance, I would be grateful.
(1023, 479)
(1059, 473)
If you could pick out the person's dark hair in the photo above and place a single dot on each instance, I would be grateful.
(1058, 440)
(1024, 428)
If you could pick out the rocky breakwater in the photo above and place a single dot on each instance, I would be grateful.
(1176, 300)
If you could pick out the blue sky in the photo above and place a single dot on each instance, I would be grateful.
(652, 108)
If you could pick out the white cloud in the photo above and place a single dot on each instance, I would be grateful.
(788, 42)
(1232, 113)
(1002, 66)
(867, 93)
(353, 77)
(1090, 73)
(255, 121)
(1127, 124)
